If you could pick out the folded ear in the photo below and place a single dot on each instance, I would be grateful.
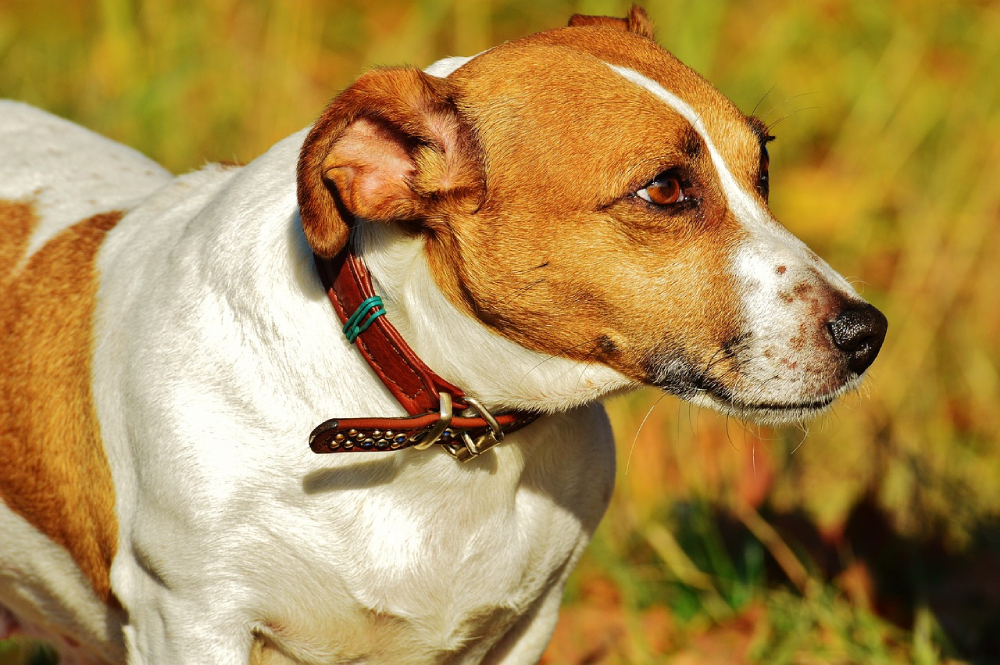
(637, 21)
(391, 147)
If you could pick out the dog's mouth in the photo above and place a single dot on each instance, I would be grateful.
(770, 412)
(677, 378)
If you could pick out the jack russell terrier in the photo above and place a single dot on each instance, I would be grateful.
(431, 288)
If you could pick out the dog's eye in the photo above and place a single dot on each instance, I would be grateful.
(665, 190)
(764, 178)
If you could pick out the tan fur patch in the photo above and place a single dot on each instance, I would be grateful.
(559, 252)
(572, 263)
(53, 468)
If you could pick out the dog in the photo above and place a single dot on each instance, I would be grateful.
(341, 404)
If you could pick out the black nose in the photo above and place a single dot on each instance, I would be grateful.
(859, 332)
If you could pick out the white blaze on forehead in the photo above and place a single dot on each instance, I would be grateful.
(742, 204)
(771, 243)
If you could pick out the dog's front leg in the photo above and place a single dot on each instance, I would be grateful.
(526, 641)
(165, 629)
(191, 640)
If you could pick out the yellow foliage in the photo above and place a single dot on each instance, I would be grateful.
(887, 163)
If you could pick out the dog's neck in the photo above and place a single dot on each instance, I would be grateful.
(500, 373)
(503, 375)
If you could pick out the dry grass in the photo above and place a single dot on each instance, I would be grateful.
(868, 537)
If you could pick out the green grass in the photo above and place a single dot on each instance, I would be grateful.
(887, 164)
(23, 652)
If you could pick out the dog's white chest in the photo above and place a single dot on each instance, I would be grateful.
(445, 577)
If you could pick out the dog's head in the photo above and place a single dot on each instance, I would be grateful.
(583, 193)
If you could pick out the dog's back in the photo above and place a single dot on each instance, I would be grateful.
(62, 188)
(66, 173)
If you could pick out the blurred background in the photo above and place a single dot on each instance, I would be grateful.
(869, 536)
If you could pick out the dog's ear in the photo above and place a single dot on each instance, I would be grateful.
(637, 21)
(391, 147)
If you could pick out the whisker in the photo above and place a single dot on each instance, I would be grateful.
(805, 435)
(586, 364)
(858, 283)
(757, 105)
(775, 123)
(544, 264)
(729, 434)
(521, 290)
(560, 353)
(692, 423)
(628, 462)
(785, 101)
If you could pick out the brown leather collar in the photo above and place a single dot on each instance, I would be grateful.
(429, 399)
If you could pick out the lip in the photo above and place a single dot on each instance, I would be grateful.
(812, 405)
(710, 392)
(771, 412)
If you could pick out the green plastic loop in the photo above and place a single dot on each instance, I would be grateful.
(357, 323)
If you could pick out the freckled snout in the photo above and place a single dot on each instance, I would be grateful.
(859, 331)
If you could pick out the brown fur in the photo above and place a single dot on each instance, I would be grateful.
(53, 468)
(558, 254)
(636, 22)
(391, 147)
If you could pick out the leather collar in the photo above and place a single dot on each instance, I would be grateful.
(439, 412)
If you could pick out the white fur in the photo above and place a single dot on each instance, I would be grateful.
(62, 169)
(42, 587)
(69, 172)
(523, 380)
(216, 352)
(445, 66)
(773, 320)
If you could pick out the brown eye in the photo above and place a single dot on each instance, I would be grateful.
(665, 190)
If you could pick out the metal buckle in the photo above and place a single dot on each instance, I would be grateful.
(469, 449)
(440, 426)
